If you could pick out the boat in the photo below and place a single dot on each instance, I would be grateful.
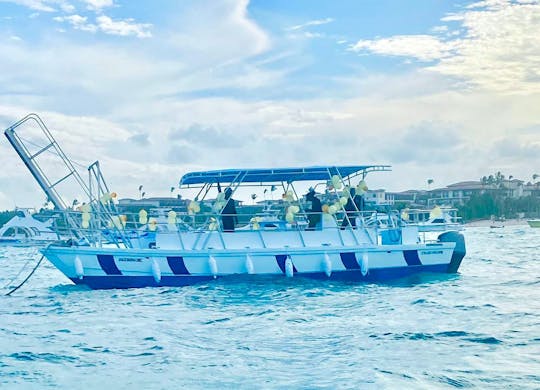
(534, 223)
(25, 230)
(438, 219)
(205, 252)
(201, 245)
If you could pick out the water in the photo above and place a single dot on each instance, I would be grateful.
(480, 328)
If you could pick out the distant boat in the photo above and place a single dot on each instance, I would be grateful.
(24, 230)
(534, 223)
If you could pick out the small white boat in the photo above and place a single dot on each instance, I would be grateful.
(24, 230)
(534, 223)
(438, 219)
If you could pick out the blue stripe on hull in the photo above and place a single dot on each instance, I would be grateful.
(107, 282)
(281, 259)
(411, 257)
(376, 275)
(177, 265)
(349, 260)
(108, 265)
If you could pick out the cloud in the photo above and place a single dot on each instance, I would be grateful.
(422, 47)
(140, 139)
(190, 99)
(496, 50)
(208, 136)
(78, 22)
(98, 5)
(426, 142)
(317, 22)
(38, 5)
(124, 27)
(106, 25)
(43, 5)
(509, 148)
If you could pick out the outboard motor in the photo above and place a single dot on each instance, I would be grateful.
(459, 250)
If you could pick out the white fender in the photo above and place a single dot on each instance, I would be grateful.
(364, 266)
(327, 265)
(289, 270)
(79, 269)
(249, 265)
(213, 266)
(156, 272)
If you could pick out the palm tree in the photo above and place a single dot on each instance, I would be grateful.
(430, 182)
(140, 191)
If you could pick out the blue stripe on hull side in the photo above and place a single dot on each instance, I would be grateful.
(108, 282)
(375, 275)
(281, 259)
(411, 257)
(108, 265)
(177, 265)
(349, 260)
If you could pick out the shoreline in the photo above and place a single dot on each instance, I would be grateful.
(489, 222)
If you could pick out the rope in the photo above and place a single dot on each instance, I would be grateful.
(28, 277)
(18, 274)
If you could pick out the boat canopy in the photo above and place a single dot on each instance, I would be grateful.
(272, 175)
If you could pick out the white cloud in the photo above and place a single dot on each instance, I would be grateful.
(421, 47)
(232, 38)
(38, 5)
(98, 5)
(124, 27)
(106, 25)
(123, 102)
(317, 22)
(497, 49)
(78, 22)
(43, 5)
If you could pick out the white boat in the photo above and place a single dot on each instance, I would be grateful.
(438, 219)
(204, 244)
(534, 223)
(206, 252)
(24, 230)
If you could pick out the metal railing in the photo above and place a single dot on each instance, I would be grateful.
(127, 230)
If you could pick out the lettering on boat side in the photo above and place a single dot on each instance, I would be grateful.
(131, 259)
(431, 252)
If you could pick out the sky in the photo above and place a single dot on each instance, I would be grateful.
(445, 90)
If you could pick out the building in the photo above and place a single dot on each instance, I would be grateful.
(379, 197)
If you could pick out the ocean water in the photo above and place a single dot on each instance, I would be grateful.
(480, 328)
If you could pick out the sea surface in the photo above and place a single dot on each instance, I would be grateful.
(479, 328)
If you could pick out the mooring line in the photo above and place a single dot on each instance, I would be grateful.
(28, 277)
(18, 274)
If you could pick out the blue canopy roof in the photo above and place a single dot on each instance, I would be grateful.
(276, 174)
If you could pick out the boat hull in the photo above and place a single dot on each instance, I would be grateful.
(102, 268)
(534, 223)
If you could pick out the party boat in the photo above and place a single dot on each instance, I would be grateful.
(198, 244)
